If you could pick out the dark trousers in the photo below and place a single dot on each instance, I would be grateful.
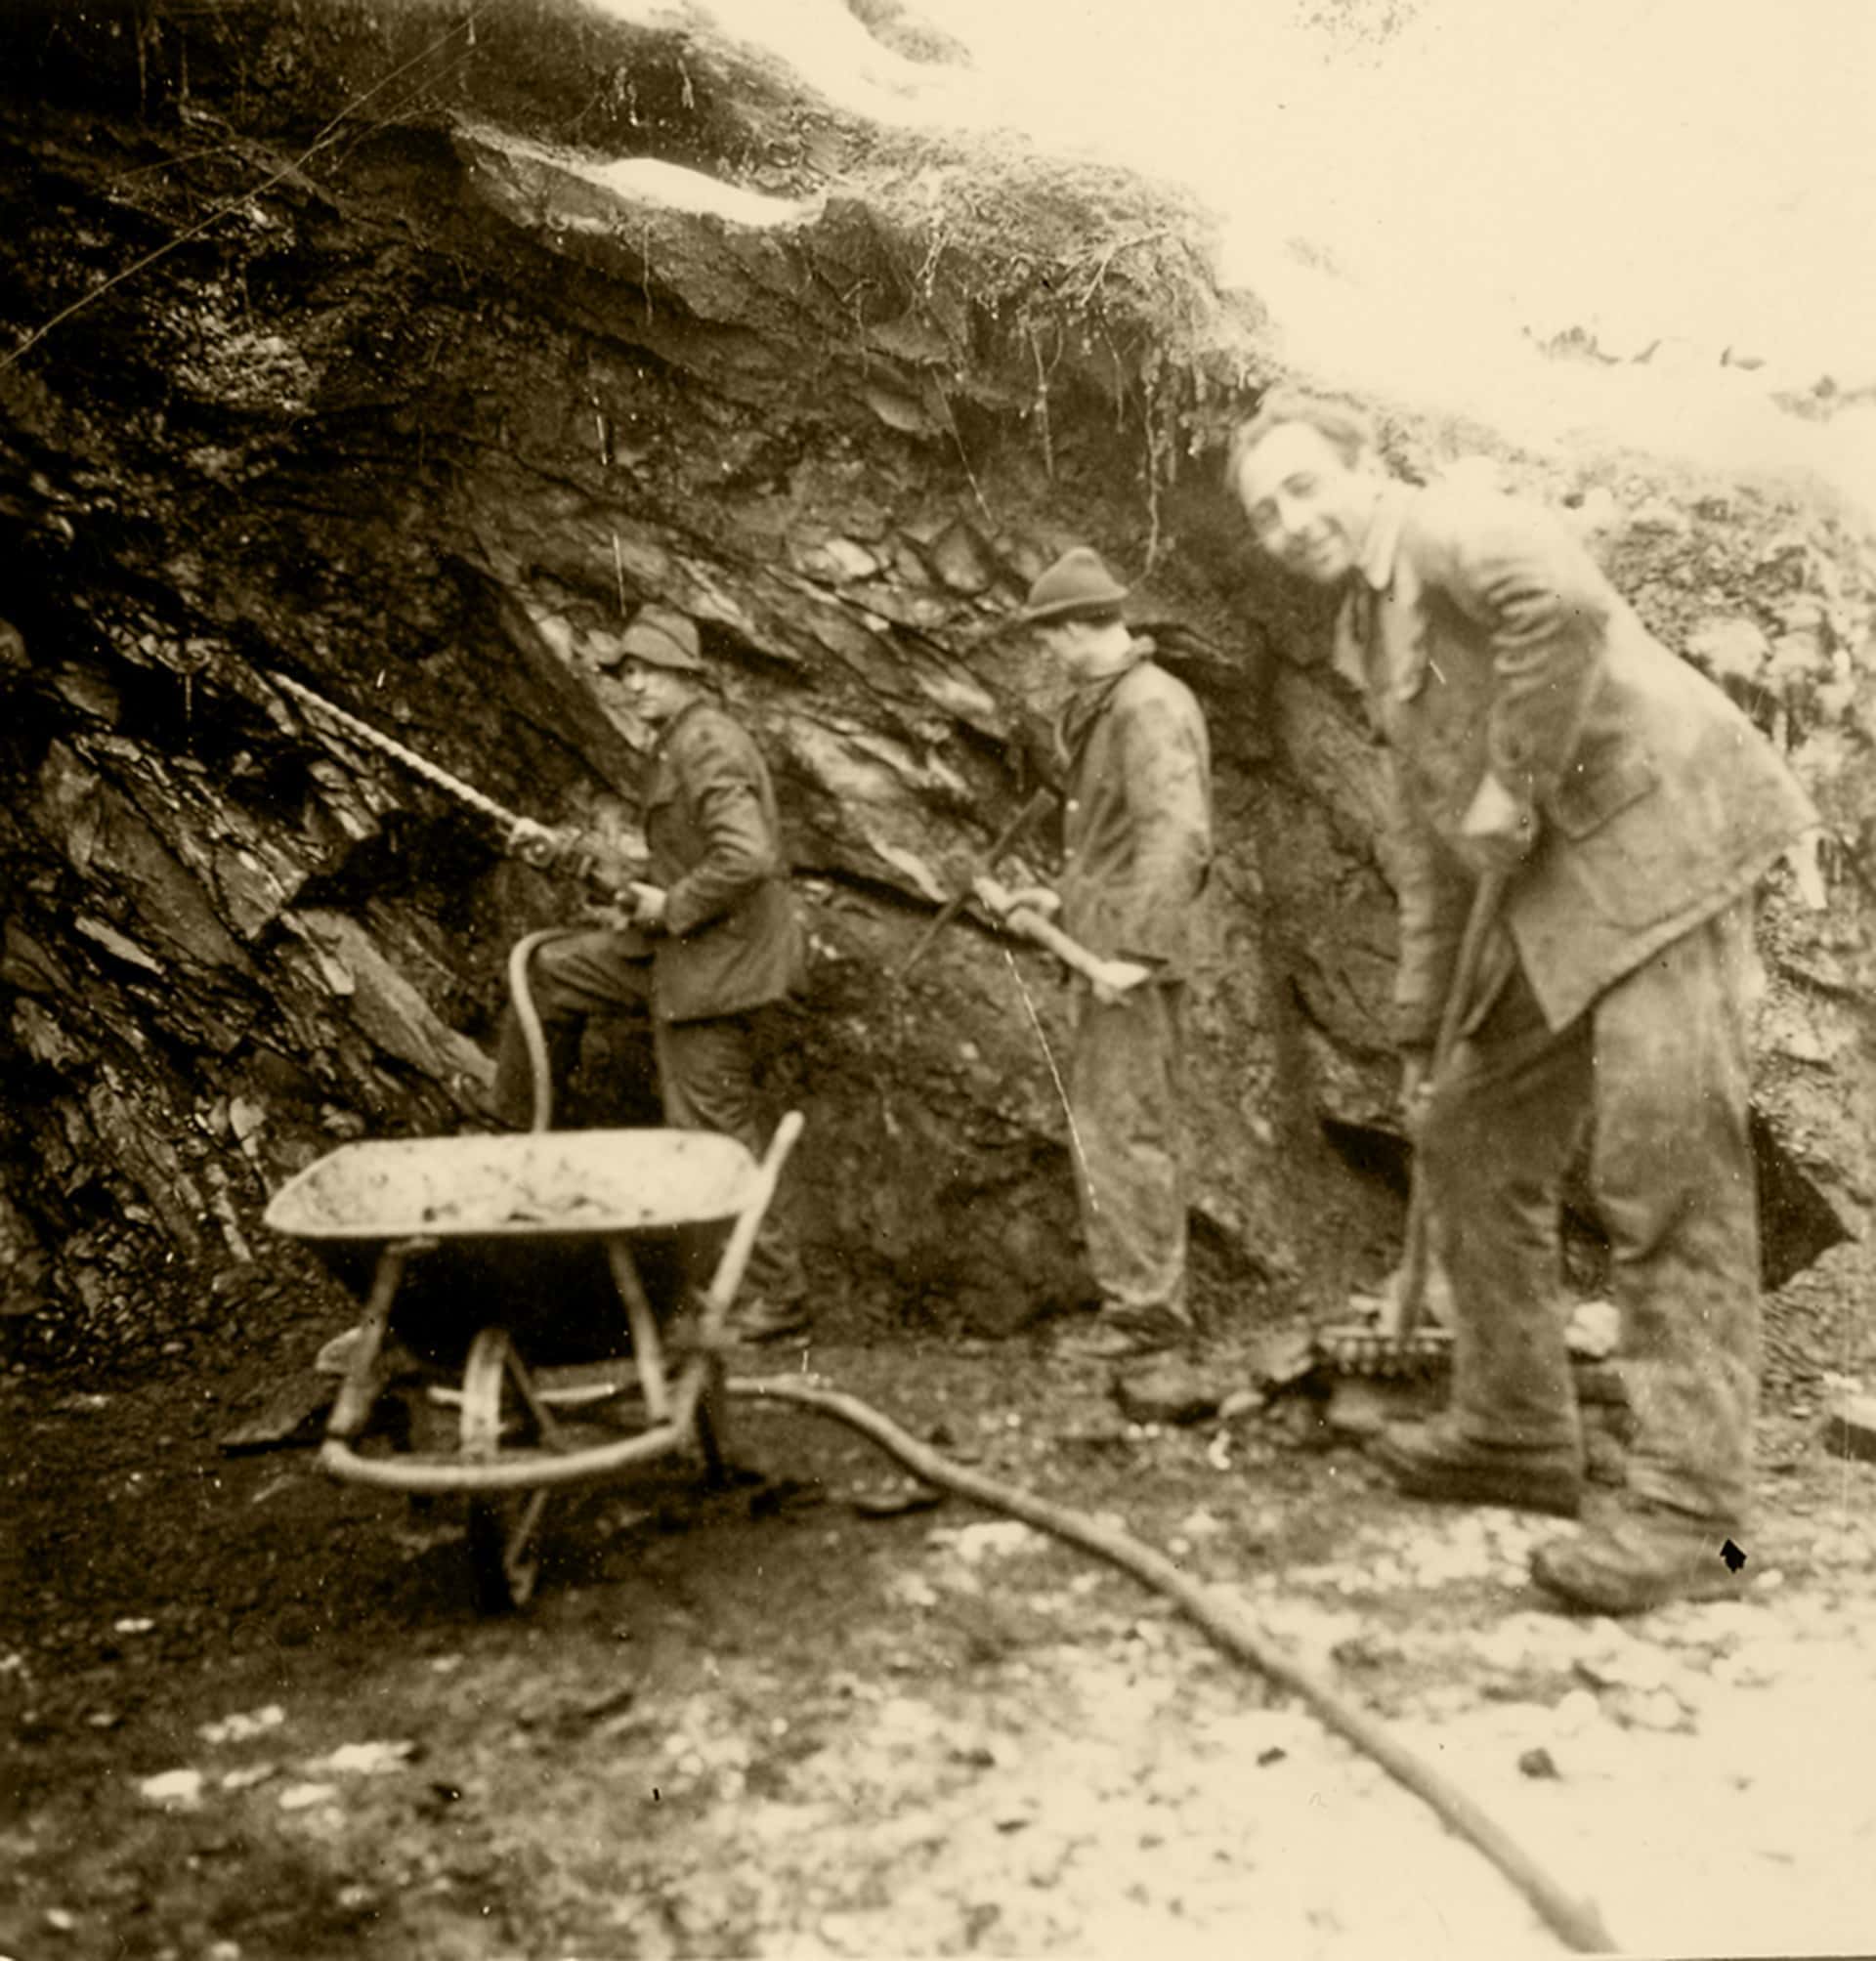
(1123, 1101)
(707, 1074)
(1658, 1067)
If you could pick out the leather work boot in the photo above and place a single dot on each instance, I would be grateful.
(1641, 1556)
(1432, 1460)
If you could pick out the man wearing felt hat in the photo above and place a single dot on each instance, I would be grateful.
(1136, 842)
(711, 938)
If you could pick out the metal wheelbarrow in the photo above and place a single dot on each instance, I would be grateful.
(470, 1249)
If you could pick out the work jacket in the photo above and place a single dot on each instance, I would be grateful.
(731, 940)
(1136, 819)
(1486, 639)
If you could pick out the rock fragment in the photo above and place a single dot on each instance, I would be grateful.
(1849, 1428)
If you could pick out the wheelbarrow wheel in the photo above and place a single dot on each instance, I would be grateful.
(505, 1527)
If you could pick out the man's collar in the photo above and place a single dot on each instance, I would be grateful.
(661, 736)
(1379, 549)
(1137, 648)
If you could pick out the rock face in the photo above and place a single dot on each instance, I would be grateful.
(462, 337)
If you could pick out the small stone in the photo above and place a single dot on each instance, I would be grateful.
(365, 1760)
(1850, 1427)
(1600, 1382)
(1660, 1710)
(1730, 647)
(1660, 516)
(1283, 1362)
(1606, 1462)
(1358, 1409)
(962, 561)
(1594, 1330)
(1577, 1711)
(1166, 1391)
(172, 1787)
(1797, 659)
(244, 1726)
(840, 560)
(1538, 1762)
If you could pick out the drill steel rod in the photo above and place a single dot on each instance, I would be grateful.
(376, 739)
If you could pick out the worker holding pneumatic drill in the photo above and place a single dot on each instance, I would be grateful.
(1136, 837)
(711, 940)
(1620, 811)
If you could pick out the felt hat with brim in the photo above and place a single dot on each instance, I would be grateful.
(1076, 582)
(661, 638)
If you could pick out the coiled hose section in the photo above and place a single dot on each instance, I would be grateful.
(539, 1064)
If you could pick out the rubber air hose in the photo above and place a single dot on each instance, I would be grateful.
(539, 1063)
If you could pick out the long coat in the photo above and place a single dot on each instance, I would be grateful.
(731, 939)
(1136, 822)
(1487, 638)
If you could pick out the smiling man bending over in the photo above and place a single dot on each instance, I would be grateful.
(1534, 729)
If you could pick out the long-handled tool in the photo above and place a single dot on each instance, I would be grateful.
(583, 856)
(1115, 976)
(1396, 1345)
(1006, 841)
(1411, 1299)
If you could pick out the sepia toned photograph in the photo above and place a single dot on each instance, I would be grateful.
(937, 979)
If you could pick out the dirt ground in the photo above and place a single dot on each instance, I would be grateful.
(250, 1713)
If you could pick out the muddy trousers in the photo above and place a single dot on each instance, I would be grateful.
(1125, 1097)
(706, 1077)
(1658, 1069)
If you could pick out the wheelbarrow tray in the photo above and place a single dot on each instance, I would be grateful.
(515, 1229)
(491, 1214)
(538, 1185)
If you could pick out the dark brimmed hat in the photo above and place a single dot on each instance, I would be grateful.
(1078, 582)
(661, 638)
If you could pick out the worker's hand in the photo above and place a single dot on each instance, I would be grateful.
(1035, 899)
(1496, 831)
(1416, 1087)
(999, 901)
(537, 845)
(1117, 979)
(647, 902)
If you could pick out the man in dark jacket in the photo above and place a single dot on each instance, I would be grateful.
(1137, 839)
(712, 938)
(1536, 730)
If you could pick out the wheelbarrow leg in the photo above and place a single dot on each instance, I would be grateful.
(648, 1350)
(360, 1390)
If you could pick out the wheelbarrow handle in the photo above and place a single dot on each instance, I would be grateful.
(735, 1258)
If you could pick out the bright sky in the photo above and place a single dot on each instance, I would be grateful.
(1699, 168)
(1701, 171)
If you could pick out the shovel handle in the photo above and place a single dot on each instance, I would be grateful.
(1418, 1256)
